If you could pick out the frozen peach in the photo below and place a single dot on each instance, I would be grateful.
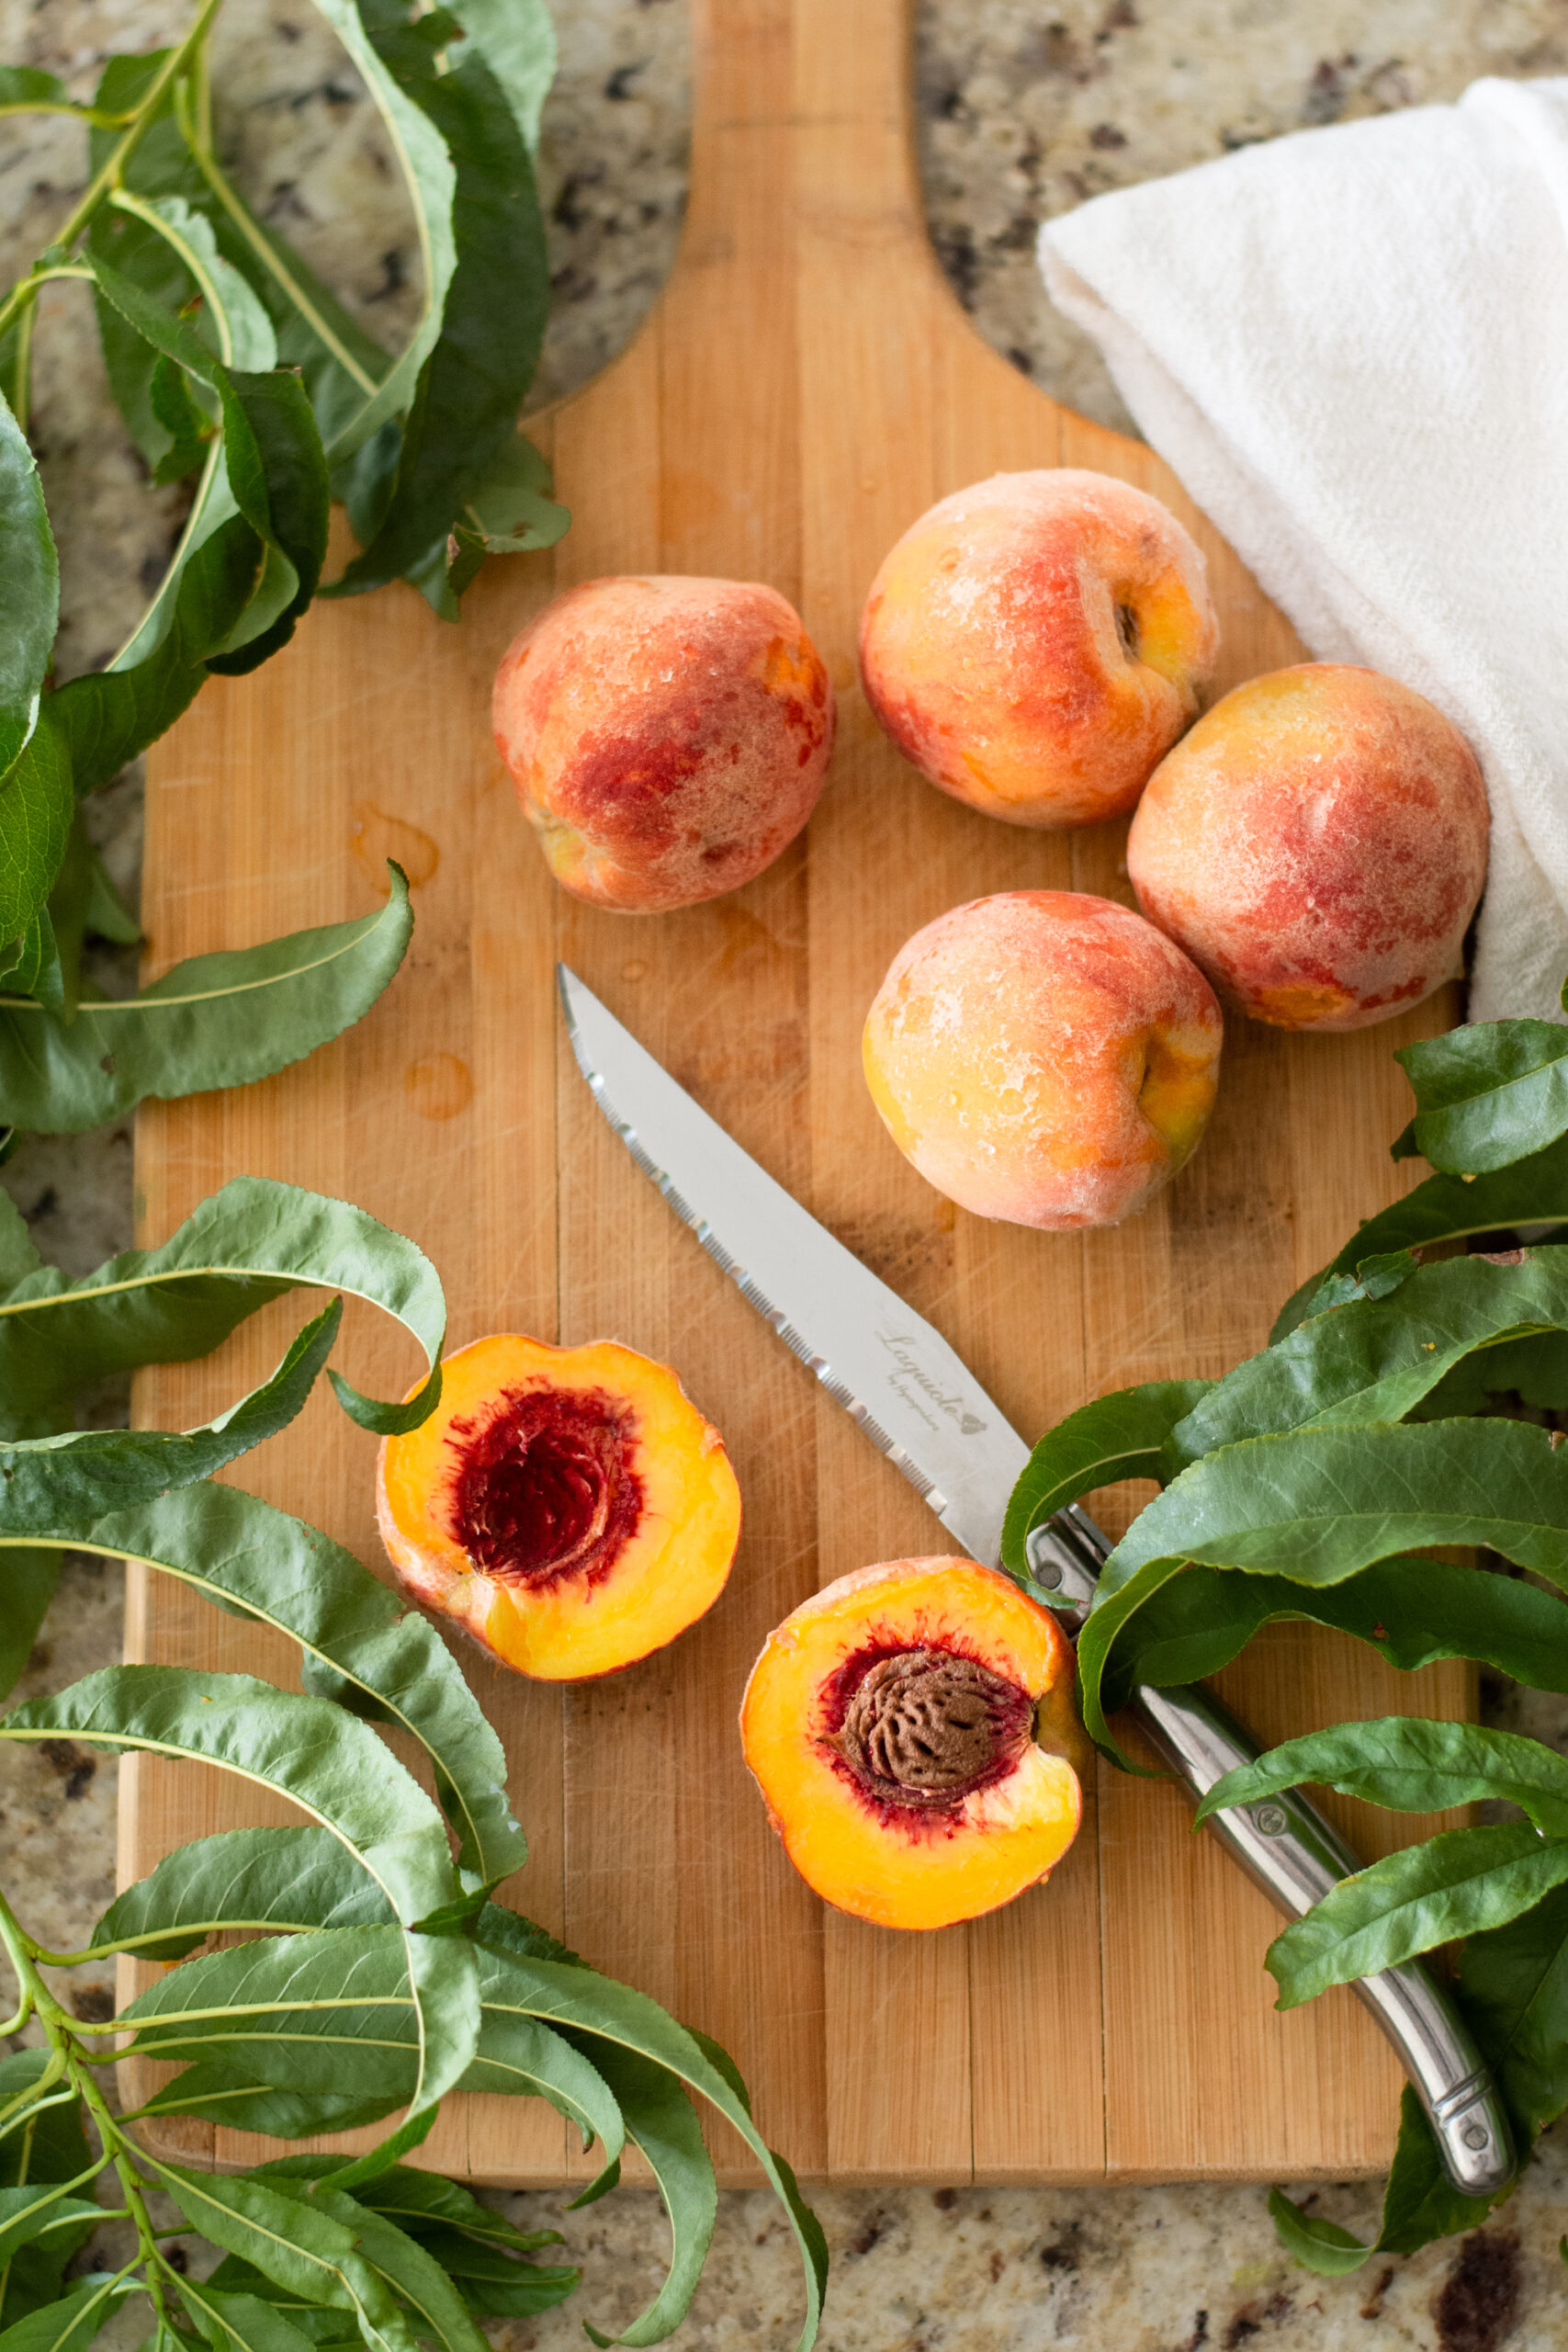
(570, 1507)
(911, 1731)
(667, 736)
(1036, 643)
(1318, 844)
(1043, 1057)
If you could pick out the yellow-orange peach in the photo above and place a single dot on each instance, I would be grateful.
(667, 736)
(911, 1731)
(1034, 643)
(1043, 1057)
(570, 1507)
(1318, 843)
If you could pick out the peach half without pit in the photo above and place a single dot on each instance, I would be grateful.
(1317, 844)
(667, 736)
(570, 1507)
(911, 1731)
(1034, 644)
(1045, 1057)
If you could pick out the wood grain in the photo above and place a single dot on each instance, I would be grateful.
(805, 388)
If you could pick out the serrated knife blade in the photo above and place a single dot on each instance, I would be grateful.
(886, 1365)
(921, 1403)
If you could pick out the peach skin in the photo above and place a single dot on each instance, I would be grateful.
(1317, 844)
(667, 736)
(1045, 1057)
(911, 1731)
(570, 1507)
(1034, 644)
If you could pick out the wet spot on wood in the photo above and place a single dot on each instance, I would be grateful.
(439, 1086)
(376, 837)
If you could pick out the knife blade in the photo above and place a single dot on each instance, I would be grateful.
(919, 1402)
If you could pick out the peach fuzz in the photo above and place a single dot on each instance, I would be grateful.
(1045, 1057)
(1036, 643)
(1318, 844)
(569, 1506)
(667, 736)
(910, 1728)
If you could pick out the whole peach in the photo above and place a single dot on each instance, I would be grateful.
(667, 736)
(1034, 643)
(1043, 1057)
(1318, 843)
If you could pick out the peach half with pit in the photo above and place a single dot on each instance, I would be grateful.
(667, 736)
(570, 1507)
(913, 1733)
(1317, 844)
(1036, 643)
(1043, 1057)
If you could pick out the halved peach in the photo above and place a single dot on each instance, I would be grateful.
(571, 1507)
(911, 1730)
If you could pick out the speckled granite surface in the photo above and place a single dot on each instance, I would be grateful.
(1024, 109)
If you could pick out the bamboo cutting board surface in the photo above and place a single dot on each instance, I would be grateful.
(805, 388)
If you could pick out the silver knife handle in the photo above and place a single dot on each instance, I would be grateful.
(1287, 1847)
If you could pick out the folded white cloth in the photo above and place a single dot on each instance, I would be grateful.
(1352, 345)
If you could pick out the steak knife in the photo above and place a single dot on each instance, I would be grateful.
(916, 1401)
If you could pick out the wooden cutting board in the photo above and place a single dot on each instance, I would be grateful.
(805, 388)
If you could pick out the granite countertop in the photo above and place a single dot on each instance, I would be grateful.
(1024, 110)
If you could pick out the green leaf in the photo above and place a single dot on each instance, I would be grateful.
(1447, 1208)
(334, 1768)
(1485, 1095)
(40, 2142)
(338, 1771)
(241, 1247)
(35, 968)
(240, 2323)
(1412, 1610)
(1454, 1885)
(70, 2324)
(305, 2252)
(226, 2095)
(1378, 1360)
(661, 2121)
(334, 2006)
(510, 512)
(277, 472)
(428, 2202)
(470, 388)
(44, 2206)
(576, 1999)
(215, 1020)
(37, 803)
(266, 1880)
(26, 87)
(18, 1252)
(1317, 2243)
(31, 1574)
(1118, 1436)
(1420, 2203)
(49, 1482)
(1513, 1984)
(29, 612)
(359, 1651)
(1318, 1504)
(110, 716)
(188, 427)
(430, 179)
(517, 41)
(1411, 1765)
(439, 2314)
(495, 2284)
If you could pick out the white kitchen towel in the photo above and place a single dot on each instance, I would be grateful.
(1351, 345)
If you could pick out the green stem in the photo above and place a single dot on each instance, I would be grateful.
(198, 140)
(112, 170)
(60, 2031)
